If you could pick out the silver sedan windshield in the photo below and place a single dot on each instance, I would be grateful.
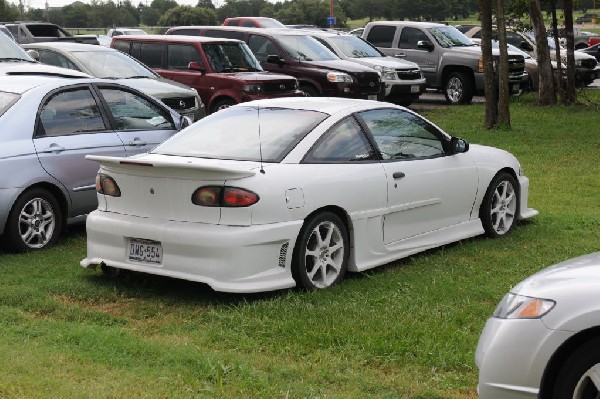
(354, 47)
(112, 64)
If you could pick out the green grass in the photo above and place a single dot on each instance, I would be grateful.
(405, 330)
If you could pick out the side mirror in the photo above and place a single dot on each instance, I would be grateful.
(34, 54)
(425, 45)
(525, 46)
(194, 66)
(458, 145)
(275, 59)
(184, 122)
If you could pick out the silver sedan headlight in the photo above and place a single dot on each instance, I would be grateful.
(514, 306)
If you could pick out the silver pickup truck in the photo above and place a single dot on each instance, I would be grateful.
(449, 60)
(34, 32)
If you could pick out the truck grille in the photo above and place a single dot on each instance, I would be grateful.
(408, 74)
(280, 87)
(516, 64)
(180, 103)
(588, 63)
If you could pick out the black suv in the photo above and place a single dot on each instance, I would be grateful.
(292, 52)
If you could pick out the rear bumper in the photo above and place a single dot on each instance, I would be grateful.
(228, 258)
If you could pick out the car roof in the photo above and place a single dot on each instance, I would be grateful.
(68, 46)
(409, 23)
(329, 105)
(177, 38)
(22, 84)
(267, 31)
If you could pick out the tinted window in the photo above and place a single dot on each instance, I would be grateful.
(71, 112)
(243, 133)
(136, 48)
(354, 47)
(122, 45)
(233, 22)
(346, 142)
(151, 54)
(262, 47)
(180, 55)
(402, 135)
(381, 35)
(133, 112)
(56, 59)
(187, 32)
(410, 37)
(305, 48)
(248, 23)
(230, 57)
(225, 34)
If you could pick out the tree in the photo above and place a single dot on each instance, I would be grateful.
(9, 11)
(205, 4)
(503, 91)
(162, 6)
(188, 15)
(571, 92)
(546, 91)
(489, 76)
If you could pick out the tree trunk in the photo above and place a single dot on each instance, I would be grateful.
(489, 78)
(546, 94)
(562, 88)
(571, 92)
(503, 91)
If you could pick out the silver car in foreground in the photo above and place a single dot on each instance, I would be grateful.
(543, 340)
(47, 127)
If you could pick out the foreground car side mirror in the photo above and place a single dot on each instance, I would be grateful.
(425, 45)
(184, 122)
(194, 66)
(34, 54)
(275, 59)
(458, 145)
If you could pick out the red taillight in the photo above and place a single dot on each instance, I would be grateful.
(224, 196)
(107, 185)
(238, 197)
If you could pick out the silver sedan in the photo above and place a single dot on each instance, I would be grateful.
(47, 126)
(543, 340)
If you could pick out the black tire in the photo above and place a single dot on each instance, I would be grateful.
(310, 91)
(500, 206)
(315, 265)
(573, 379)
(222, 104)
(35, 221)
(459, 88)
(111, 272)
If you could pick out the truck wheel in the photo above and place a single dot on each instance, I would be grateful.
(459, 88)
(309, 90)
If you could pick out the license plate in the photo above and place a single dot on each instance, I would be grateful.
(145, 251)
(372, 97)
(414, 89)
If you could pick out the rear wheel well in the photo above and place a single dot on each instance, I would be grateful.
(340, 212)
(558, 358)
(217, 100)
(309, 88)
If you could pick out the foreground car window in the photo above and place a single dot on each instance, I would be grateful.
(241, 133)
(7, 100)
(132, 112)
(346, 142)
(71, 112)
(402, 135)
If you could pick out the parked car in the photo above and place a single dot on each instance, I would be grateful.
(580, 38)
(403, 80)
(15, 61)
(594, 51)
(125, 31)
(450, 61)
(543, 340)
(223, 71)
(585, 66)
(586, 18)
(108, 63)
(31, 32)
(253, 22)
(233, 201)
(319, 71)
(357, 32)
(47, 126)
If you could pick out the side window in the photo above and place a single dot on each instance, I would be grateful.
(324, 43)
(233, 22)
(225, 34)
(136, 48)
(345, 142)
(70, 112)
(410, 37)
(514, 39)
(262, 47)
(133, 112)
(56, 59)
(248, 23)
(151, 54)
(381, 36)
(402, 135)
(180, 55)
(187, 32)
(122, 45)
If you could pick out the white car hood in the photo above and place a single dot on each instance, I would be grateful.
(390, 62)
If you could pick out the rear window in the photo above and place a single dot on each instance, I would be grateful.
(243, 133)
(7, 100)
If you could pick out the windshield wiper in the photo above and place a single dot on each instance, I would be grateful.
(13, 59)
(137, 77)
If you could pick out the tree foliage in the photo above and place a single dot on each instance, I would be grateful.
(8, 11)
(187, 15)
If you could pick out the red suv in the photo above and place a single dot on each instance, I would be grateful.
(254, 22)
(223, 71)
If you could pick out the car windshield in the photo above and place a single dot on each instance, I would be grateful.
(270, 23)
(134, 32)
(10, 50)
(449, 36)
(354, 47)
(551, 43)
(243, 133)
(112, 64)
(6, 100)
(230, 57)
(306, 48)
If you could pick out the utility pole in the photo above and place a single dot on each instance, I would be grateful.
(331, 19)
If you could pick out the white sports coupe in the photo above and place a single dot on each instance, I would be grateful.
(290, 192)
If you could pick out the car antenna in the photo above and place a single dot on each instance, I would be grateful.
(262, 170)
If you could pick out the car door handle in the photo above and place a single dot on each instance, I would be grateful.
(398, 175)
(137, 142)
(400, 55)
(54, 148)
